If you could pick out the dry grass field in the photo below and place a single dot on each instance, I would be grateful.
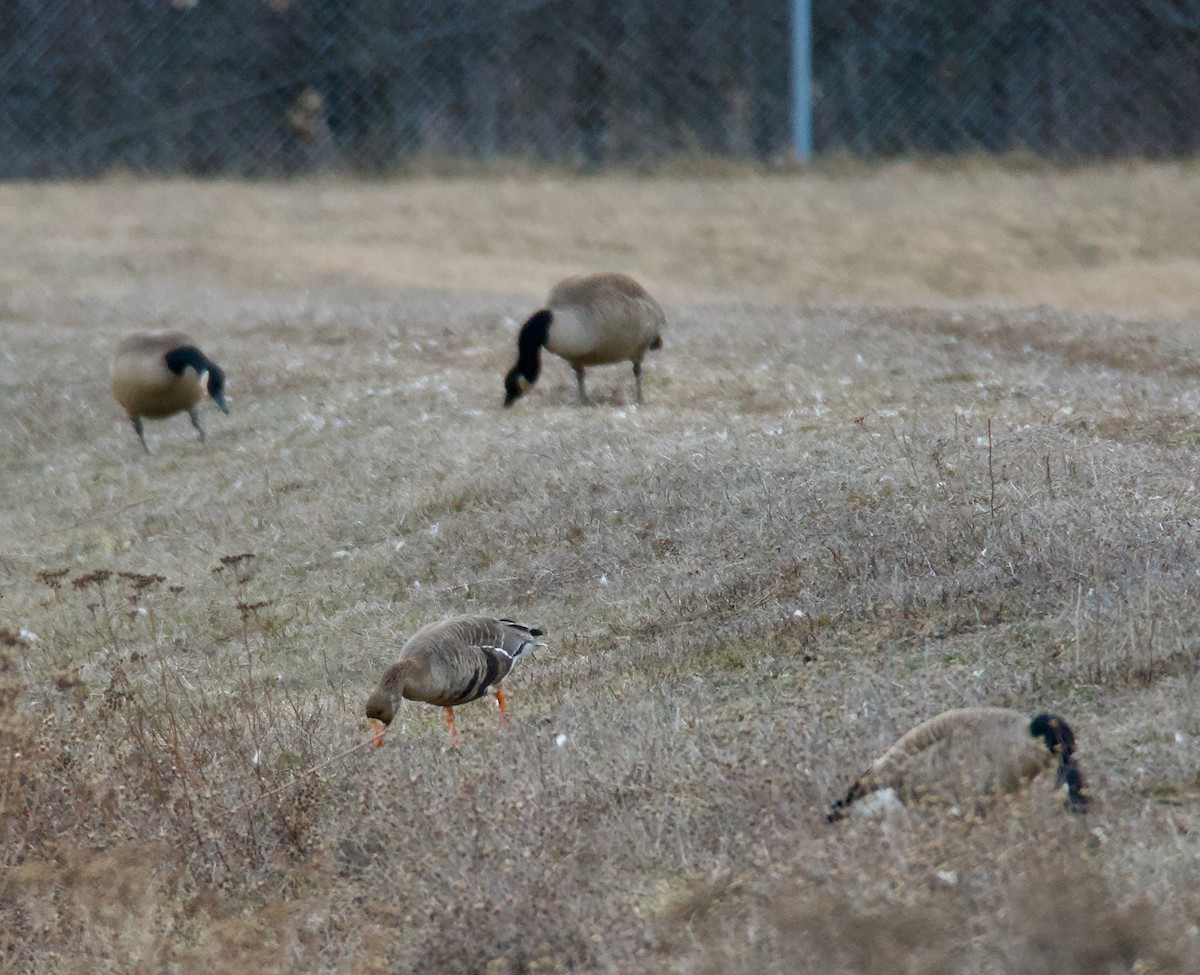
(920, 437)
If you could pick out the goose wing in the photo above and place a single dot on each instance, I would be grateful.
(960, 730)
(591, 289)
(603, 300)
(466, 655)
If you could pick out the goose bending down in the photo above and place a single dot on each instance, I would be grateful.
(159, 374)
(448, 663)
(969, 753)
(589, 320)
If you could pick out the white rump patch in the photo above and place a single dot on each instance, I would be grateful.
(880, 803)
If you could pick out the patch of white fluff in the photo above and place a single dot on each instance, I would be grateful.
(884, 802)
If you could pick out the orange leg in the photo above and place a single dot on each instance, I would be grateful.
(450, 726)
(500, 703)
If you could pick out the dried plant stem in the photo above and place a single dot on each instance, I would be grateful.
(91, 518)
(302, 775)
(1078, 623)
(991, 472)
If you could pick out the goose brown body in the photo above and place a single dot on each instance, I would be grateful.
(158, 374)
(970, 753)
(589, 320)
(452, 662)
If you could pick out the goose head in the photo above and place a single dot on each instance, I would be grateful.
(214, 381)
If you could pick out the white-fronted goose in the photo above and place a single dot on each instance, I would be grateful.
(451, 662)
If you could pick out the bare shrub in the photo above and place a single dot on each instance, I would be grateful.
(1067, 922)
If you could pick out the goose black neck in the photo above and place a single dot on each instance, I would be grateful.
(838, 809)
(529, 344)
(1070, 774)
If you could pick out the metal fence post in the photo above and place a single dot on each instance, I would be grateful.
(802, 143)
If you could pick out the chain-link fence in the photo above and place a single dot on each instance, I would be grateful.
(280, 86)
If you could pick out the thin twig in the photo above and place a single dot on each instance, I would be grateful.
(97, 517)
(1150, 651)
(304, 774)
(1078, 616)
(991, 470)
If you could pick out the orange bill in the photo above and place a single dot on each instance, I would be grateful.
(379, 728)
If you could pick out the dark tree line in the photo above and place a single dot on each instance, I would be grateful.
(1074, 78)
(276, 86)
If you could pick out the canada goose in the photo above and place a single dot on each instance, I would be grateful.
(589, 320)
(159, 374)
(449, 663)
(969, 753)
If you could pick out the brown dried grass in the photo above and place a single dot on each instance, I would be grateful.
(827, 522)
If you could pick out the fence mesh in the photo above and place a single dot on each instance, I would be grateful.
(265, 87)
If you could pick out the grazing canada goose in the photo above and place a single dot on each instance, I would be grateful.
(159, 374)
(449, 663)
(589, 320)
(969, 753)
